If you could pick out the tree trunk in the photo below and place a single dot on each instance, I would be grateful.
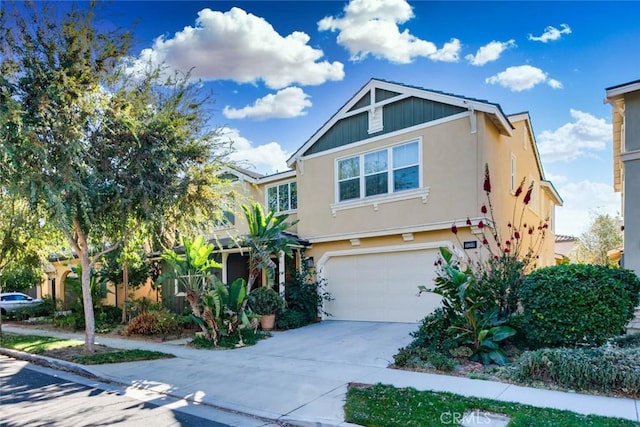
(125, 285)
(87, 301)
(253, 275)
(79, 244)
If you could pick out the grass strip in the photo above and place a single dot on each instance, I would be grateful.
(71, 350)
(35, 344)
(121, 356)
(386, 406)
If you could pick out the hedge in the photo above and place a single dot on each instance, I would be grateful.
(568, 305)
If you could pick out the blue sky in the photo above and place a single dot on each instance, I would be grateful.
(279, 70)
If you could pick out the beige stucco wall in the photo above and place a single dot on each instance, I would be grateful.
(441, 146)
(63, 269)
(497, 152)
(248, 192)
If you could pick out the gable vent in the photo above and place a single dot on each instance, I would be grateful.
(375, 120)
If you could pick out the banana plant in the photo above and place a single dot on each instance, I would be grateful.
(193, 275)
(483, 332)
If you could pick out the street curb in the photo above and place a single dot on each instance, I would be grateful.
(50, 362)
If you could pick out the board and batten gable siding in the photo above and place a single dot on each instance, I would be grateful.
(396, 116)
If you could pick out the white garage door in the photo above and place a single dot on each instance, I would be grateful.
(381, 286)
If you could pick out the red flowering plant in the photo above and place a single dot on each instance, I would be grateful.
(480, 290)
(506, 254)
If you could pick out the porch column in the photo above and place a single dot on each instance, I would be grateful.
(281, 275)
(225, 270)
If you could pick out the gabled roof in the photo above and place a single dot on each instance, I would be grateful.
(255, 177)
(546, 185)
(398, 92)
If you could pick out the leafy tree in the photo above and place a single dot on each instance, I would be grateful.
(93, 145)
(603, 235)
(24, 239)
(265, 239)
(24, 272)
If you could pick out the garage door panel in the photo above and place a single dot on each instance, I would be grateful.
(381, 286)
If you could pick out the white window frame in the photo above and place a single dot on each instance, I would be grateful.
(277, 187)
(390, 173)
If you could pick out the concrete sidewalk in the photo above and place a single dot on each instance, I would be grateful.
(301, 376)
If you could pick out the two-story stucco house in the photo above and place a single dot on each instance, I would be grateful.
(378, 187)
(625, 100)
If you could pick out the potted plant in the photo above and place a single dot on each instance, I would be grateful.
(266, 302)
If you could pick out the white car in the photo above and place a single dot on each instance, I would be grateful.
(13, 301)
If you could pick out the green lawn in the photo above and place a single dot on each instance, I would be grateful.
(387, 406)
(36, 344)
(72, 350)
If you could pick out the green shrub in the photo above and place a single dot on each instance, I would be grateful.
(160, 322)
(305, 294)
(423, 358)
(72, 320)
(291, 319)
(568, 305)
(433, 333)
(626, 341)
(605, 368)
(265, 301)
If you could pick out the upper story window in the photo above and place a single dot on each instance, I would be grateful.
(384, 171)
(283, 197)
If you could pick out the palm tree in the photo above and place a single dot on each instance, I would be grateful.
(265, 238)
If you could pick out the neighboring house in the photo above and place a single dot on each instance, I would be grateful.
(625, 103)
(57, 269)
(380, 184)
(565, 248)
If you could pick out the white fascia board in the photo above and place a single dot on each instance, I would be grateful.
(277, 177)
(551, 190)
(527, 119)
(622, 90)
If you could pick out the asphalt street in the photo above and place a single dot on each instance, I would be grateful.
(35, 396)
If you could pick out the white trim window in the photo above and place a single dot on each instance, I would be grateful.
(380, 172)
(283, 197)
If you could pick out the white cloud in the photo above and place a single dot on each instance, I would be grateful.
(556, 179)
(522, 77)
(555, 84)
(267, 158)
(370, 27)
(582, 137)
(551, 33)
(286, 103)
(489, 52)
(581, 200)
(239, 46)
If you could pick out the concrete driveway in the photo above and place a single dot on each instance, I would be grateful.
(299, 375)
(335, 341)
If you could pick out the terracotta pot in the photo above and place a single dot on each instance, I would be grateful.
(267, 322)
